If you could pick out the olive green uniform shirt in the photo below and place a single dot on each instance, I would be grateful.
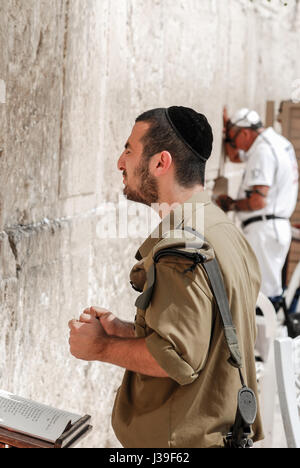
(196, 406)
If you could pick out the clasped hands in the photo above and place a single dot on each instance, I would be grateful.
(90, 335)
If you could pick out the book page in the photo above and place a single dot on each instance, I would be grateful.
(31, 418)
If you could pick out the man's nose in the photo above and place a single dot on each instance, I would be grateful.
(121, 163)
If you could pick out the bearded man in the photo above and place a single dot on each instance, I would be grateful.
(179, 390)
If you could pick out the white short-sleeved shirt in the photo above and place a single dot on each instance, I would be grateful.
(271, 161)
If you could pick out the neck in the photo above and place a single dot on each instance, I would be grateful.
(175, 196)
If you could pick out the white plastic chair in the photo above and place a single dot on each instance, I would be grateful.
(287, 362)
(293, 286)
(266, 327)
(266, 334)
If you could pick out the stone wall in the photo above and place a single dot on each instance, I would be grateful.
(76, 75)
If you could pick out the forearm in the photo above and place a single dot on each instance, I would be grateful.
(131, 354)
(249, 204)
(242, 205)
(255, 201)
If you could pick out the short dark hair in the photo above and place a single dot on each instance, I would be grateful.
(189, 169)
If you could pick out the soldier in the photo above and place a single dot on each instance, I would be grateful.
(268, 193)
(179, 390)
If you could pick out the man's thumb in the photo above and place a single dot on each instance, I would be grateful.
(93, 312)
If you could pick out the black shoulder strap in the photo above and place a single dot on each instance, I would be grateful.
(217, 286)
(215, 278)
(239, 435)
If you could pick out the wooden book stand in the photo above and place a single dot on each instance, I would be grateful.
(69, 439)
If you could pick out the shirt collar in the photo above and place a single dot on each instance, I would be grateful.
(172, 221)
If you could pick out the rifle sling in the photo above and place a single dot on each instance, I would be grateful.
(218, 289)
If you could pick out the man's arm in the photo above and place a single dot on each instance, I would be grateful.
(256, 201)
(89, 342)
(132, 354)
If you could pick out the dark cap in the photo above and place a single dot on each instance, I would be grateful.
(193, 129)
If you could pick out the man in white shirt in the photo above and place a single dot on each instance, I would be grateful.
(268, 192)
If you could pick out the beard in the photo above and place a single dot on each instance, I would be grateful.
(147, 191)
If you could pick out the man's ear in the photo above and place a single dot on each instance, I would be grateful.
(161, 163)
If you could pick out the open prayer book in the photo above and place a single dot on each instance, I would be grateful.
(22, 416)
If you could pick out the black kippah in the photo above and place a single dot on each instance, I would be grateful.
(193, 129)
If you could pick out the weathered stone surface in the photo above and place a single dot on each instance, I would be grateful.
(77, 74)
(7, 259)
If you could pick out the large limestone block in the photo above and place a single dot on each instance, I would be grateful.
(80, 126)
(33, 53)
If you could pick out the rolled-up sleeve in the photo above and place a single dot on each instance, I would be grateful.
(180, 319)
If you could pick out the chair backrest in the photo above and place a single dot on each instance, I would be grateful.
(287, 363)
(293, 286)
(266, 334)
(266, 326)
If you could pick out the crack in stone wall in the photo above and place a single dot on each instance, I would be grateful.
(65, 48)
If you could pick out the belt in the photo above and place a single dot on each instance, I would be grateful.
(255, 219)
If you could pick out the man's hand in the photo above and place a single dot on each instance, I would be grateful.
(90, 342)
(88, 339)
(230, 151)
(225, 203)
(225, 120)
(110, 323)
